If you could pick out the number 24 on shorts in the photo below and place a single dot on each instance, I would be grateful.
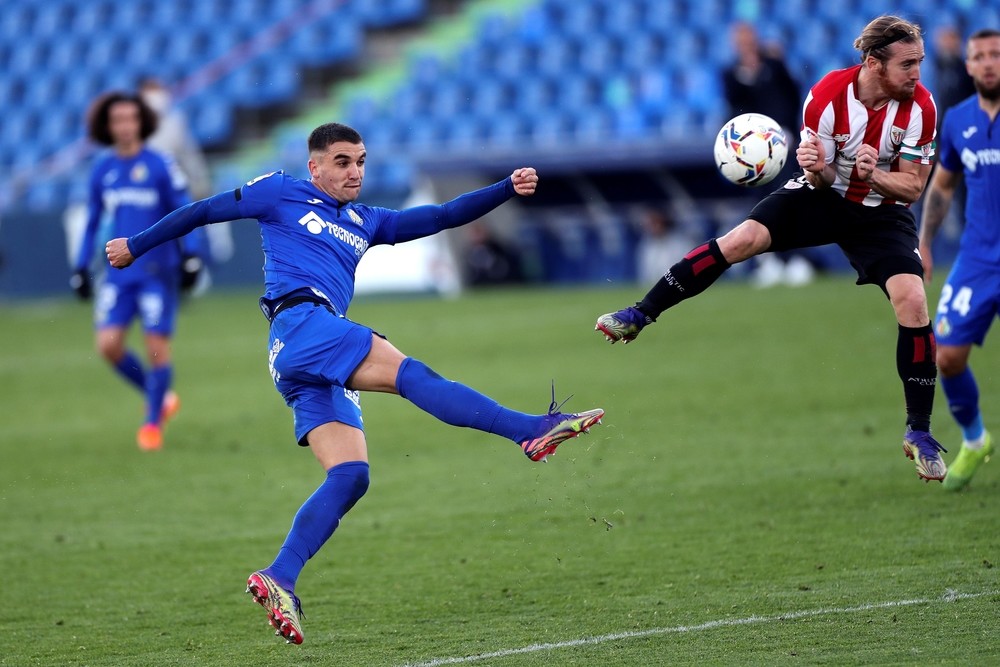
(959, 300)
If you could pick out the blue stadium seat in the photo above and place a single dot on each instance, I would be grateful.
(211, 124)
(578, 92)
(662, 18)
(506, 131)
(449, 100)
(27, 58)
(494, 30)
(551, 129)
(582, 21)
(600, 56)
(708, 15)
(325, 42)
(489, 96)
(43, 88)
(556, 57)
(91, 18)
(623, 18)
(644, 51)
(465, 133)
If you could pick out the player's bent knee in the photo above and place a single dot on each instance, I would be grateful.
(746, 240)
(354, 479)
(950, 364)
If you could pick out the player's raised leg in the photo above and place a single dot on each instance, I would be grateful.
(689, 277)
(459, 405)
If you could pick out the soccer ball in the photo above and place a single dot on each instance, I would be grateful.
(751, 149)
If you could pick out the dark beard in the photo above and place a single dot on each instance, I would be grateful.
(990, 94)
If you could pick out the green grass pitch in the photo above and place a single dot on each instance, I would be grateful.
(746, 501)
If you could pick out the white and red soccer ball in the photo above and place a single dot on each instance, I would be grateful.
(751, 149)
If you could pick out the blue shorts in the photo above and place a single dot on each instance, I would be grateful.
(311, 353)
(155, 300)
(970, 300)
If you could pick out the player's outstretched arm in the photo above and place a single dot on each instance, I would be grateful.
(421, 221)
(218, 208)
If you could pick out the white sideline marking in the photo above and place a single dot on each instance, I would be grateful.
(949, 596)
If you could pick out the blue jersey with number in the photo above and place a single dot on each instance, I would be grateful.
(135, 192)
(970, 144)
(311, 240)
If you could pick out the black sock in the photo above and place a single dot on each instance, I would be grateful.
(915, 360)
(691, 276)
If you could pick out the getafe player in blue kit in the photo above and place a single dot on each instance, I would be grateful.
(314, 235)
(135, 187)
(970, 299)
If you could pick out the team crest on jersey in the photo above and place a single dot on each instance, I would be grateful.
(896, 135)
(355, 218)
(261, 178)
(139, 173)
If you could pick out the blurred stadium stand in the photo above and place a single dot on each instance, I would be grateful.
(615, 101)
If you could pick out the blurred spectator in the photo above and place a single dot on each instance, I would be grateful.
(173, 136)
(952, 82)
(662, 244)
(487, 259)
(758, 81)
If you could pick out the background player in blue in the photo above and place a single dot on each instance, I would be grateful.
(970, 298)
(313, 237)
(135, 187)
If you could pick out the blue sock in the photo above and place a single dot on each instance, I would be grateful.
(458, 405)
(962, 393)
(157, 384)
(130, 368)
(318, 517)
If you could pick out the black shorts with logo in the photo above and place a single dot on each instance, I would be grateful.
(879, 241)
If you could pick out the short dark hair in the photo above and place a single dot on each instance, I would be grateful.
(985, 33)
(330, 133)
(882, 33)
(100, 111)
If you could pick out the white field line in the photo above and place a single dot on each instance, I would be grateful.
(949, 596)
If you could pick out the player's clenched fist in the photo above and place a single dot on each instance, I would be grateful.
(119, 256)
(525, 181)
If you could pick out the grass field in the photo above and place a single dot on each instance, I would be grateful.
(746, 501)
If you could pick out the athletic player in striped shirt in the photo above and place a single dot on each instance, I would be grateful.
(314, 235)
(134, 187)
(867, 151)
(970, 298)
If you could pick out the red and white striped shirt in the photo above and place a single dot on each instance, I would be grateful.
(898, 130)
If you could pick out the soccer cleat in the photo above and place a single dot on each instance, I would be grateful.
(171, 404)
(563, 427)
(283, 608)
(966, 463)
(924, 450)
(623, 325)
(149, 438)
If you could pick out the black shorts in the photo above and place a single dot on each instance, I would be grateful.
(879, 241)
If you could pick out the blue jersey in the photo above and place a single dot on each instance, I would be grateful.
(310, 240)
(970, 144)
(135, 192)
